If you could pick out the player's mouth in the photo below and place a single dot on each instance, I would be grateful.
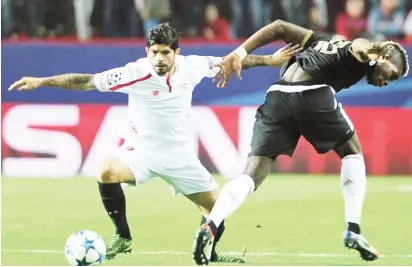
(381, 83)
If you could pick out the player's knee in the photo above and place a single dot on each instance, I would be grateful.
(258, 168)
(351, 147)
(258, 177)
(107, 172)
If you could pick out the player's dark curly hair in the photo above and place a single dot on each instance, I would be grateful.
(401, 57)
(163, 34)
(398, 54)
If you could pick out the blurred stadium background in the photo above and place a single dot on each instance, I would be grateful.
(60, 134)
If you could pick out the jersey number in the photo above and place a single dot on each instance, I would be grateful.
(330, 47)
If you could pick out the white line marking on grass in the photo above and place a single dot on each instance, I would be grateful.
(257, 254)
(405, 189)
(32, 251)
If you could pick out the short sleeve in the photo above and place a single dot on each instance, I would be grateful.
(311, 38)
(117, 79)
(204, 65)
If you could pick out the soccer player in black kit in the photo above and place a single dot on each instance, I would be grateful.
(303, 103)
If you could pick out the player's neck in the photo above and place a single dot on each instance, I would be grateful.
(172, 70)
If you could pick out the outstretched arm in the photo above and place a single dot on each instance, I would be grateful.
(252, 61)
(277, 30)
(72, 81)
(280, 57)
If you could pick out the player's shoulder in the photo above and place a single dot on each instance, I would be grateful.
(201, 61)
(190, 58)
(191, 61)
(137, 68)
(140, 63)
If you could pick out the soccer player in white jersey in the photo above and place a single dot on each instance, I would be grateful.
(160, 90)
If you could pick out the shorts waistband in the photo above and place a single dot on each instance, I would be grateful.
(297, 88)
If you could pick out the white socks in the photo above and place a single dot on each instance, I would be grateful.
(353, 183)
(231, 197)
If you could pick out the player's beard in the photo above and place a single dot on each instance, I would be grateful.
(370, 74)
(165, 69)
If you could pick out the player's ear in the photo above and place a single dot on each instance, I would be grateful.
(177, 51)
(147, 50)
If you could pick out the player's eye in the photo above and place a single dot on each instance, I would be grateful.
(165, 52)
(387, 56)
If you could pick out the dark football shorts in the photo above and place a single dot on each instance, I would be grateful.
(291, 111)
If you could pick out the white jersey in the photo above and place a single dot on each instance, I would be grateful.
(159, 107)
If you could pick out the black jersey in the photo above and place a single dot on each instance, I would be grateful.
(329, 61)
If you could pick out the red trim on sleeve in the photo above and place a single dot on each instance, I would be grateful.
(168, 84)
(117, 87)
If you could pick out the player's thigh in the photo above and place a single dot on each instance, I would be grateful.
(205, 201)
(127, 167)
(325, 123)
(274, 132)
(189, 178)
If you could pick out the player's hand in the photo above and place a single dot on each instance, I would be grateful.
(231, 63)
(282, 55)
(26, 84)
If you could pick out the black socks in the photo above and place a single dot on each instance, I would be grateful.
(354, 227)
(114, 202)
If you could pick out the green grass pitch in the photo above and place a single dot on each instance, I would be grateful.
(300, 220)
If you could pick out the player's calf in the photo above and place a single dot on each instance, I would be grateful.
(113, 172)
(258, 168)
(234, 193)
(353, 181)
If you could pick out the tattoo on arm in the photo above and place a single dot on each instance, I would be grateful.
(252, 61)
(77, 82)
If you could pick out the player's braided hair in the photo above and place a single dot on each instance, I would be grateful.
(163, 33)
(403, 53)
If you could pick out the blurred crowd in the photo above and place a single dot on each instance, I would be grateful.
(212, 20)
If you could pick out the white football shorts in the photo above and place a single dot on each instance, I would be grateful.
(185, 174)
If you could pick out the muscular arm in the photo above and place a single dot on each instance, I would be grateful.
(277, 30)
(252, 61)
(73, 81)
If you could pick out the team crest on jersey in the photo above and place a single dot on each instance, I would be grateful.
(184, 85)
(211, 63)
(114, 77)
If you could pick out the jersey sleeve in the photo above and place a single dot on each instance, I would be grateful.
(117, 79)
(204, 65)
(311, 38)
